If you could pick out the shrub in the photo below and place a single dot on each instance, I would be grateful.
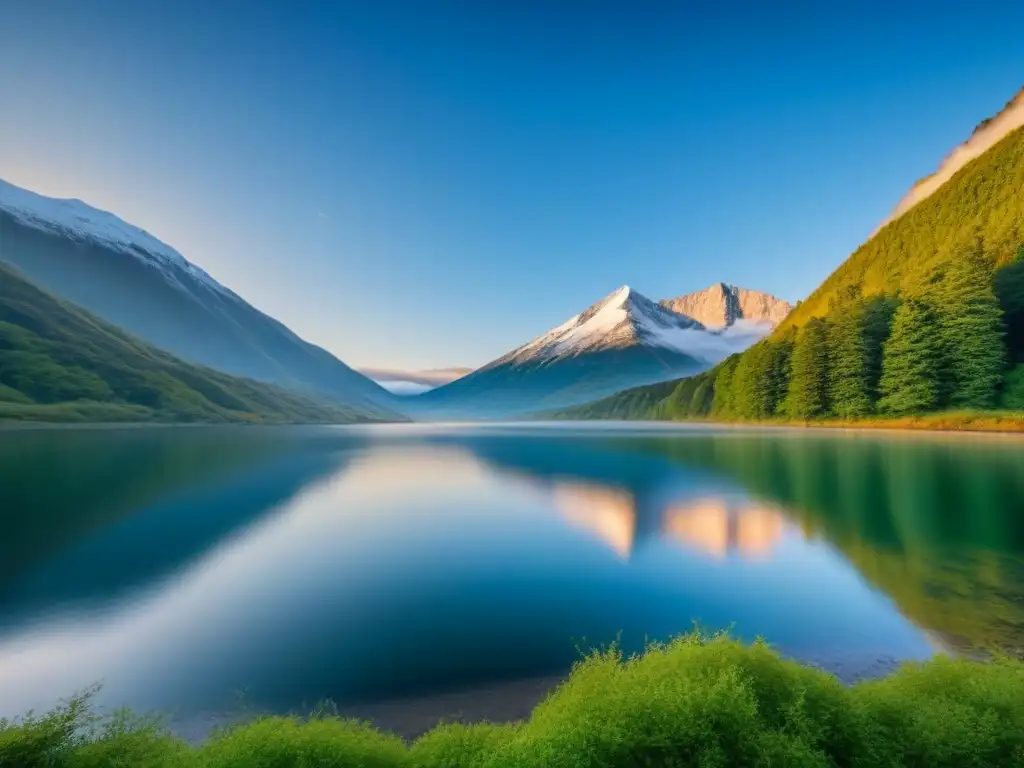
(456, 745)
(322, 742)
(697, 701)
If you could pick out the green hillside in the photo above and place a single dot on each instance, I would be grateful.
(984, 199)
(926, 317)
(59, 363)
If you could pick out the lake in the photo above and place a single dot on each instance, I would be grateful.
(206, 569)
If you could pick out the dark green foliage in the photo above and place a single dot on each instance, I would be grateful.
(690, 398)
(808, 377)
(60, 363)
(1009, 287)
(744, 402)
(723, 403)
(970, 324)
(696, 701)
(635, 403)
(912, 362)
(858, 329)
(1013, 389)
(849, 373)
(761, 379)
(877, 325)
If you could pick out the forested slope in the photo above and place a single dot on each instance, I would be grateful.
(59, 363)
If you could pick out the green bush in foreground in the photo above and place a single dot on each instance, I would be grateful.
(696, 701)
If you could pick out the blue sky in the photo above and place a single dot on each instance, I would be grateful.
(428, 183)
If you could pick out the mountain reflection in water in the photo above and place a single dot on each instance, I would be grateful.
(180, 567)
(722, 527)
(716, 526)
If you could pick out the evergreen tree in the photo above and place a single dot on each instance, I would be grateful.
(700, 405)
(775, 386)
(878, 315)
(761, 379)
(912, 362)
(809, 366)
(849, 376)
(744, 381)
(857, 333)
(722, 403)
(971, 327)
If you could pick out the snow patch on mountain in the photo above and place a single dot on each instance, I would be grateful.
(627, 318)
(79, 221)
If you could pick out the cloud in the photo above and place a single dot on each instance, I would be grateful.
(322, 215)
(405, 387)
(712, 346)
(434, 377)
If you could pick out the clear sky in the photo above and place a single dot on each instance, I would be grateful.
(431, 183)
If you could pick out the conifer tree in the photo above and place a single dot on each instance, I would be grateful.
(912, 362)
(971, 327)
(809, 367)
(878, 314)
(722, 400)
(775, 386)
(761, 379)
(849, 379)
(750, 367)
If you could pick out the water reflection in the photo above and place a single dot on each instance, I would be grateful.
(722, 526)
(608, 513)
(936, 523)
(308, 564)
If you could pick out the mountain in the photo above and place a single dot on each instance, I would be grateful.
(129, 278)
(988, 132)
(623, 340)
(723, 305)
(927, 315)
(984, 198)
(59, 363)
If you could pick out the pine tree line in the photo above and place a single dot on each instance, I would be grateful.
(956, 342)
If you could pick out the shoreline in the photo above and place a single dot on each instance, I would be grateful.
(1011, 425)
(409, 717)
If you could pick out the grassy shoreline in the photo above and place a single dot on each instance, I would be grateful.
(1008, 422)
(965, 421)
(697, 700)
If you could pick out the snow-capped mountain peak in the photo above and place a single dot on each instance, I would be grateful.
(623, 318)
(77, 220)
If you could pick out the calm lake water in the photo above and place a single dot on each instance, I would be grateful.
(187, 569)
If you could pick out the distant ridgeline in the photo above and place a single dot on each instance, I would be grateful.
(928, 315)
(60, 363)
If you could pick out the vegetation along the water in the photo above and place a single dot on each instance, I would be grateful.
(696, 701)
